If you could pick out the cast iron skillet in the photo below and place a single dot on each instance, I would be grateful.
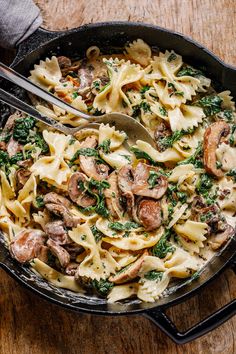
(109, 35)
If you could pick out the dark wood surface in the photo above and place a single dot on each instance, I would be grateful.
(28, 324)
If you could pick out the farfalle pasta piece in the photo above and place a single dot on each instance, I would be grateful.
(229, 201)
(151, 290)
(53, 167)
(118, 158)
(120, 292)
(115, 137)
(226, 155)
(98, 263)
(54, 277)
(139, 51)
(228, 102)
(169, 154)
(185, 117)
(181, 264)
(47, 73)
(135, 241)
(122, 257)
(112, 98)
(193, 232)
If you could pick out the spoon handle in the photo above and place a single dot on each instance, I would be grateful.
(26, 108)
(13, 76)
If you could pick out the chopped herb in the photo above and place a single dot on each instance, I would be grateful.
(163, 247)
(210, 104)
(145, 106)
(6, 136)
(163, 111)
(103, 287)
(194, 159)
(83, 237)
(22, 127)
(139, 154)
(143, 90)
(127, 157)
(152, 179)
(188, 71)
(168, 141)
(182, 197)
(98, 235)
(171, 57)
(72, 141)
(96, 84)
(100, 207)
(206, 217)
(81, 186)
(4, 158)
(232, 173)
(173, 90)
(75, 95)
(153, 275)
(118, 226)
(39, 201)
(84, 152)
(104, 87)
(126, 234)
(105, 146)
(39, 141)
(204, 184)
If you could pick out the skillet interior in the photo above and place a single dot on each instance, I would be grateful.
(112, 36)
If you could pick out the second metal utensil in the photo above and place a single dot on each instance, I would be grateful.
(133, 129)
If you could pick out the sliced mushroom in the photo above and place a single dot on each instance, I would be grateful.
(26, 163)
(112, 196)
(85, 74)
(221, 238)
(71, 268)
(57, 232)
(130, 272)
(3, 146)
(125, 178)
(22, 175)
(142, 187)
(27, 245)
(64, 62)
(13, 147)
(55, 198)
(131, 206)
(77, 192)
(74, 249)
(161, 132)
(149, 214)
(60, 210)
(212, 138)
(59, 252)
(59, 206)
(88, 163)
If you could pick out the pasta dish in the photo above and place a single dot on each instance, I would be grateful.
(90, 213)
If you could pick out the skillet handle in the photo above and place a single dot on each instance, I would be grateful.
(39, 37)
(201, 328)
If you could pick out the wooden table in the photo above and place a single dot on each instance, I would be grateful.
(29, 325)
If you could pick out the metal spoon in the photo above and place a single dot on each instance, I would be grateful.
(133, 129)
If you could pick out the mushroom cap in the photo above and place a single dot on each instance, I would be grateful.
(212, 137)
(149, 214)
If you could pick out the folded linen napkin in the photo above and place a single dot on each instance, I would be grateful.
(18, 20)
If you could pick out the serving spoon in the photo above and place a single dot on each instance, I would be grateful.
(133, 129)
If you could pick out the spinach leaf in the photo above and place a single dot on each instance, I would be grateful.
(22, 128)
(105, 146)
(153, 275)
(118, 226)
(98, 235)
(194, 159)
(210, 104)
(188, 71)
(139, 154)
(103, 287)
(163, 247)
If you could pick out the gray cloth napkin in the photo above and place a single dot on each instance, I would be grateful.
(18, 20)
